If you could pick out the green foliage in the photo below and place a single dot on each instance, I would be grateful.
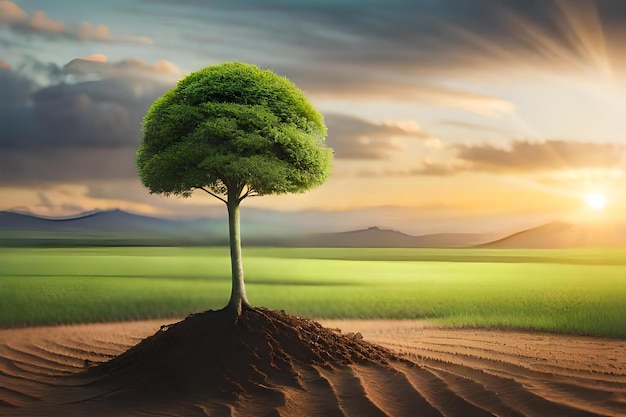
(568, 291)
(233, 126)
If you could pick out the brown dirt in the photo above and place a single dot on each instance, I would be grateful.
(273, 364)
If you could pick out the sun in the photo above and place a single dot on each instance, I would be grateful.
(596, 201)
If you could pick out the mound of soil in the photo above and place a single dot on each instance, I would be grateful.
(273, 365)
(209, 355)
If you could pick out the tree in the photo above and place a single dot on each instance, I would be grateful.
(233, 131)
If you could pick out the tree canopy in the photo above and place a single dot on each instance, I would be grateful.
(233, 126)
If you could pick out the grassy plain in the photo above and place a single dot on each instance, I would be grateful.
(568, 291)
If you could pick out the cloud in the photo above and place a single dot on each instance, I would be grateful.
(428, 38)
(351, 84)
(551, 155)
(69, 199)
(38, 23)
(11, 13)
(135, 69)
(100, 33)
(518, 158)
(89, 31)
(44, 166)
(76, 122)
(95, 58)
(474, 127)
(435, 169)
(427, 168)
(408, 51)
(355, 138)
(5, 65)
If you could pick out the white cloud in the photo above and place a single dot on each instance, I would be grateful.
(101, 33)
(355, 138)
(126, 69)
(11, 13)
(38, 23)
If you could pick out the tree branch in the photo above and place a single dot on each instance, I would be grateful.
(250, 192)
(213, 194)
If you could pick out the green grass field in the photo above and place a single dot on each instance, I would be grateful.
(569, 291)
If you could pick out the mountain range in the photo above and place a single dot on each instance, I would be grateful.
(117, 227)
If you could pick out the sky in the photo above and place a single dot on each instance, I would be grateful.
(444, 115)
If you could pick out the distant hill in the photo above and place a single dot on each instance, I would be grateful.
(121, 228)
(375, 237)
(106, 221)
(557, 235)
(117, 227)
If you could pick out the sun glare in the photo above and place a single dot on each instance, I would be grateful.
(596, 201)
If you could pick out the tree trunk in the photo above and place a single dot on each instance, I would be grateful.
(238, 298)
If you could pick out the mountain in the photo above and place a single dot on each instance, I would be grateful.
(117, 227)
(556, 235)
(18, 221)
(375, 237)
(105, 221)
